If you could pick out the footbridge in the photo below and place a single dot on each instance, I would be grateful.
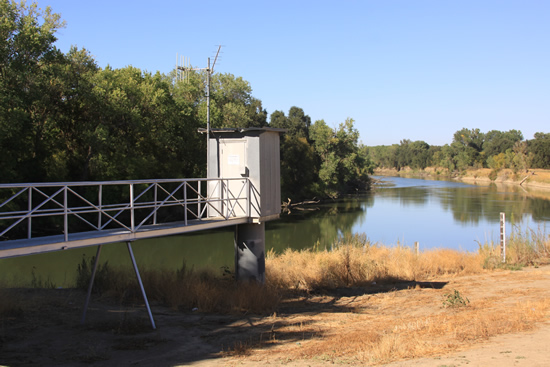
(242, 190)
(43, 217)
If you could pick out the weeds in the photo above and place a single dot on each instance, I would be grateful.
(84, 274)
(37, 282)
(523, 248)
(455, 299)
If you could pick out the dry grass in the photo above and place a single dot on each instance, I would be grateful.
(352, 262)
(184, 289)
(523, 248)
(397, 338)
(355, 262)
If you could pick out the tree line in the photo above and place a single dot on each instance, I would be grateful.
(64, 118)
(470, 148)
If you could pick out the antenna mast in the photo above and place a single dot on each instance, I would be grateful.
(182, 74)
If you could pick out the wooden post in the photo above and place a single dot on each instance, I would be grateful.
(503, 236)
(417, 248)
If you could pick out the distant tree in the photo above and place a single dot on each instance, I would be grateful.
(299, 172)
(467, 146)
(420, 154)
(496, 142)
(297, 123)
(343, 168)
(540, 150)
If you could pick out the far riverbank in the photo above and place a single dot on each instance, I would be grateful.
(535, 178)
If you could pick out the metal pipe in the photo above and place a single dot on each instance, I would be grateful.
(91, 284)
(99, 203)
(207, 115)
(65, 215)
(141, 284)
(29, 229)
(155, 215)
(185, 203)
(132, 222)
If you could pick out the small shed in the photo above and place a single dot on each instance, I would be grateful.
(252, 153)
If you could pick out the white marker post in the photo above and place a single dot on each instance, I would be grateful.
(503, 236)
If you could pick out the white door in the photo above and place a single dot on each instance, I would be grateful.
(233, 165)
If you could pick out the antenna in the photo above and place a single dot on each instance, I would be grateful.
(182, 74)
(216, 58)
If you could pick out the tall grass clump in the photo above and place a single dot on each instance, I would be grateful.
(523, 248)
(182, 289)
(528, 247)
(354, 261)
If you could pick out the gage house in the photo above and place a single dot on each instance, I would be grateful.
(253, 154)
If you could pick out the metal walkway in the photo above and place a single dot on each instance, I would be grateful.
(43, 217)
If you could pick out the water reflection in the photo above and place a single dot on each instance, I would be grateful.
(450, 214)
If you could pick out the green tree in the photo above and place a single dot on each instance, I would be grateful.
(297, 123)
(420, 154)
(299, 172)
(539, 147)
(467, 147)
(27, 34)
(496, 142)
(342, 169)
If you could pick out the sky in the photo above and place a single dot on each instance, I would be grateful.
(401, 69)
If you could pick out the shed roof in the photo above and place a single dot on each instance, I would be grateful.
(243, 130)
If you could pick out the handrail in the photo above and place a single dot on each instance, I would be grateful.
(127, 205)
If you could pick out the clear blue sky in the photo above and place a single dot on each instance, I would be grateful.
(402, 69)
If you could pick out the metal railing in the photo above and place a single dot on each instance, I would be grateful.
(41, 209)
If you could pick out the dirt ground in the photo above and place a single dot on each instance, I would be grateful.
(306, 331)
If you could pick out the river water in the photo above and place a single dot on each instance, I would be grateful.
(436, 214)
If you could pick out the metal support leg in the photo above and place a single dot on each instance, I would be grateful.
(141, 285)
(91, 284)
(250, 252)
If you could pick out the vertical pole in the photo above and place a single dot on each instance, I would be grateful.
(503, 236)
(185, 202)
(199, 196)
(417, 248)
(90, 286)
(156, 209)
(207, 115)
(99, 202)
(29, 228)
(141, 285)
(248, 199)
(132, 223)
(227, 199)
(65, 215)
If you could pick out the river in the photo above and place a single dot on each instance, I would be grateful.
(436, 214)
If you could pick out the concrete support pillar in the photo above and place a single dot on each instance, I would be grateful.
(250, 252)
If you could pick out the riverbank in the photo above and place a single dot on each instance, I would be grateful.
(390, 323)
(535, 178)
(358, 304)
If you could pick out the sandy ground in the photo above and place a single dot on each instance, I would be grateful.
(47, 332)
